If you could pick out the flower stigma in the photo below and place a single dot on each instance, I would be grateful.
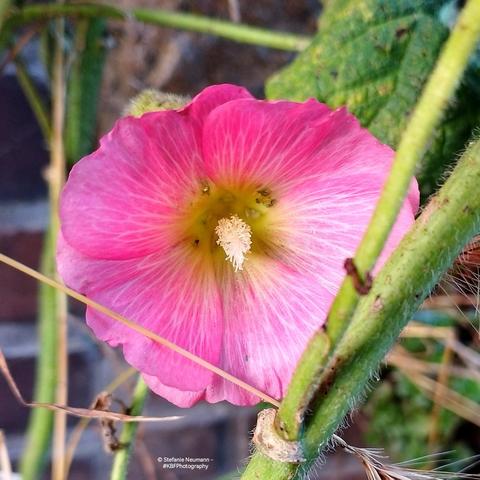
(234, 236)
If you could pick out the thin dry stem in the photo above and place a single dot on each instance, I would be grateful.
(448, 398)
(442, 383)
(440, 302)
(376, 468)
(438, 391)
(416, 330)
(399, 357)
(470, 357)
(56, 179)
(18, 47)
(74, 411)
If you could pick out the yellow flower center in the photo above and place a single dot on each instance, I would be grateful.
(229, 225)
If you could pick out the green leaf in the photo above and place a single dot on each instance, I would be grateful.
(84, 87)
(374, 56)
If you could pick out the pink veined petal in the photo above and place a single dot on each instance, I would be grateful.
(273, 308)
(327, 218)
(181, 398)
(270, 312)
(121, 201)
(212, 97)
(171, 294)
(279, 143)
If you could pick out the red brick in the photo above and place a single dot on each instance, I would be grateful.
(18, 292)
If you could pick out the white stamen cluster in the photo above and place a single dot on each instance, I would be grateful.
(235, 237)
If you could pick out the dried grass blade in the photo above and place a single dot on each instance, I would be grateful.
(138, 328)
(449, 399)
(75, 411)
(5, 464)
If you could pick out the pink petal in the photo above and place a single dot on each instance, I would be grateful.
(272, 143)
(171, 294)
(280, 144)
(212, 97)
(273, 308)
(181, 398)
(122, 200)
(324, 221)
(270, 312)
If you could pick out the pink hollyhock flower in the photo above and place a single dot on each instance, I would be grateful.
(222, 226)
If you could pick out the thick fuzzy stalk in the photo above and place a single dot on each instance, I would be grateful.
(451, 219)
(427, 115)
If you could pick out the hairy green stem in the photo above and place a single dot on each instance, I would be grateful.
(426, 116)
(302, 386)
(39, 430)
(34, 99)
(180, 20)
(127, 438)
(451, 219)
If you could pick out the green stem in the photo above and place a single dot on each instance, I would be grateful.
(426, 116)
(83, 88)
(73, 121)
(303, 386)
(451, 219)
(127, 438)
(4, 6)
(34, 99)
(180, 20)
(40, 423)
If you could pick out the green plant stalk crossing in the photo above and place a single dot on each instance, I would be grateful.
(451, 219)
(303, 385)
(127, 437)
(426, 116)
(83, 88)
(39, 430)
(184, 21)
(428, 112)
(34, 99)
